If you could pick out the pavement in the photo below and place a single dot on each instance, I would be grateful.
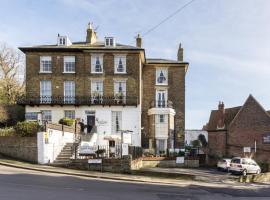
(25, 184)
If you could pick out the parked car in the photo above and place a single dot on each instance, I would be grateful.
(244, 166)
(224, 164)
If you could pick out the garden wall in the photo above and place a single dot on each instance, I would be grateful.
(22, 148)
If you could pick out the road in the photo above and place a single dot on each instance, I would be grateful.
(19, 184)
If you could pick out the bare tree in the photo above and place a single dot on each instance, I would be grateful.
(11, 86)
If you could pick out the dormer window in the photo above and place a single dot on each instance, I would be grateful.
(63, 41)
(97, 63)
(109, 42)
(120, 64)
(161, 76)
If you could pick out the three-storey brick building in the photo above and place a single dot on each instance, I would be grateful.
(110, 86)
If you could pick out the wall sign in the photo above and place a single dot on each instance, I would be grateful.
(246, 149)
(266, 138)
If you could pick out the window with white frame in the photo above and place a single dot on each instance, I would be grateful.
(69, 64)
(109, 41)
(70, 114)
(96, 91)
(161, 98)
(31, 116)
(96, 87)
(46, 115)
(120, 64)
(97, 63)
(45, 91)
(161, 118)
(116, 122)
(45, 64)
(161, 76)
(69, 92)
(120, 89)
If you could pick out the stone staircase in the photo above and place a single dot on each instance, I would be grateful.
(63, 159)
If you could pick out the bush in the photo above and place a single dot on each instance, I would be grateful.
(26, 128)
(264, 166)
(7, 132)
(67, 121)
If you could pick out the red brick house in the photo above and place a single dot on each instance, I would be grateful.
(232, 129)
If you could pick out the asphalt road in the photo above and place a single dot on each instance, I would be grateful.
(19, 184)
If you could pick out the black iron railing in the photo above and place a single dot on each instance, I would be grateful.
(78, 100)
(161, 104)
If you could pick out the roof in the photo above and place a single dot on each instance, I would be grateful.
(163, 61)
(230, 114)
(79, 46)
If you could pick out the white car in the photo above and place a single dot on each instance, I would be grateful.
(244, 166)
(224, 164)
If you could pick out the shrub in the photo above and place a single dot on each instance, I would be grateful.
(26, 128)
(7, 132)
(67, 121)
(264, 166)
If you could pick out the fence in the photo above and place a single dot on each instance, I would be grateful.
(106, 151)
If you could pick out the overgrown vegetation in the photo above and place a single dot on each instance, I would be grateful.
(67, 121)
(7, 132)
(26, 128)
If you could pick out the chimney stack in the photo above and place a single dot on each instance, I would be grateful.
(139, 41)
(180, 54)
(91, 36)
(221, 116)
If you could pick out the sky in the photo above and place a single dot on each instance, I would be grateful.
(226, 42)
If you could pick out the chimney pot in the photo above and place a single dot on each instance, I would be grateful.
(180, 53)
(139, 41)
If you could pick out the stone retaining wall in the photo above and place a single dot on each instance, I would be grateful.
(22, 148)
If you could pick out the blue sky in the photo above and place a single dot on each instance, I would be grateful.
(226, 42)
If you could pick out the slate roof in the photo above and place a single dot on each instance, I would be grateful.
(160, 60)
(81, 46)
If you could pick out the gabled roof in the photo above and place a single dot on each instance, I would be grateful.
(231, 114)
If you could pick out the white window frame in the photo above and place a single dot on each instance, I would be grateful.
(96, 94)
(69, 92)
(45, 91)
(109, 41)
(69, 60)
(161, 98)
(116, 115)
(93, 63)
(46, 115)
(165, 73)
(69, 114)
(43, 60)
(116, 64)
(31, 116)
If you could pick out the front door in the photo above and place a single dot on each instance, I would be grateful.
(90, 122)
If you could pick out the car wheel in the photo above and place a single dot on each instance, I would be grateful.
(258, 171)
(244, 172)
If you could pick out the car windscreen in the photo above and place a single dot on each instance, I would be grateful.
(236, 160)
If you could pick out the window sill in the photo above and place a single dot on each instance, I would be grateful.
(68, 72)
(45, 72)
(162, 84)
(120, 72)
(96, 72)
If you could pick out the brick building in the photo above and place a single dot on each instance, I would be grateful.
(109, 86)
(232, 129)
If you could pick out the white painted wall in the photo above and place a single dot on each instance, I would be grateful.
(191, 135)
(47, 153)
(131, 119)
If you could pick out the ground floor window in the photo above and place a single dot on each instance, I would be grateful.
(116, 121)
(161, 145)
(70, 114)
(46, 115)
(31, 116)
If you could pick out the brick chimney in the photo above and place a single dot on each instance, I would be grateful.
(180, 53)
(139, 41)
(91, 36)
(221, 116)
